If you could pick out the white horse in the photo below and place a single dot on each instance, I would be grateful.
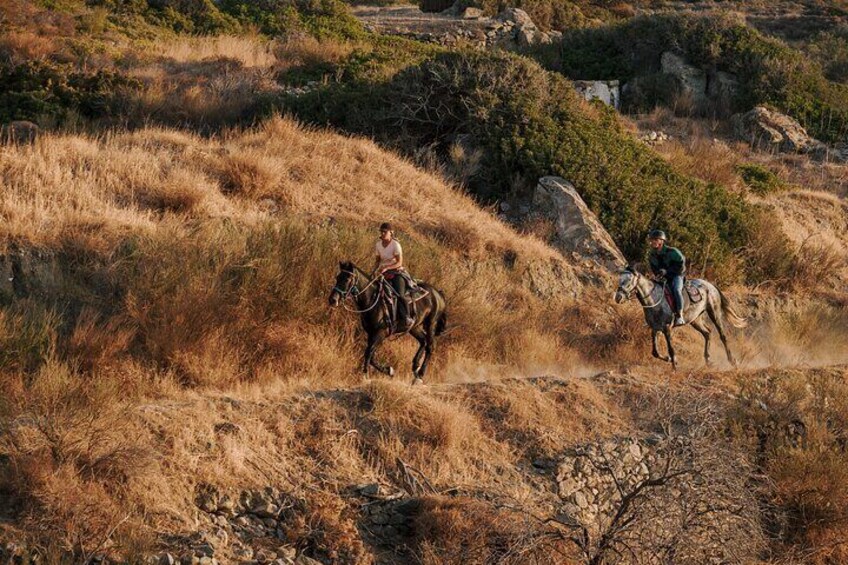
(658, 313)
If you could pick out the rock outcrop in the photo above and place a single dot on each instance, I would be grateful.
(29, 272)
(514, 27)
(692, 81)
(19, 132)
(674, 492)
(773, 131)
(678, 79)
(607, 91)
(577, 230)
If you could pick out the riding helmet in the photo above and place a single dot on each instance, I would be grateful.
(385, 226)
(658, 234)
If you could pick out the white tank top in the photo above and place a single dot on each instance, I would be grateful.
(387, 254)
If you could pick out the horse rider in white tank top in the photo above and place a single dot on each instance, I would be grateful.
(389, 263)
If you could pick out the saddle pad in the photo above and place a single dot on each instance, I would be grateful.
(693, 289)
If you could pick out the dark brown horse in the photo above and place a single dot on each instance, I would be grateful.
(369, 297)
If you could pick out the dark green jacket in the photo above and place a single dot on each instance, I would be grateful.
(668, 258)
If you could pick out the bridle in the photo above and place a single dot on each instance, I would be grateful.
(629, 294)
(352, 291)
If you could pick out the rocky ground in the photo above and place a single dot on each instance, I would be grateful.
(641, 466)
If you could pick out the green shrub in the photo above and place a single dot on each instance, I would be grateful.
(830, 50)
(760, 180)
(321, 18)
(769, 71)
(530, 123)
(41, 90)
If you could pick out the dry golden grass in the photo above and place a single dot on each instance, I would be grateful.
(191, 292)
(203, 236)
(250, 51)
(213, 82)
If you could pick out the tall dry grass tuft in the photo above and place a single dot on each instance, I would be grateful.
(71, 454)
(796, 422)
(448, 530)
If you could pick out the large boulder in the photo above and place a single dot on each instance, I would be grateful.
(577, 230)
(692, 81)
(774, 131)
(607, 91)
(515, 27)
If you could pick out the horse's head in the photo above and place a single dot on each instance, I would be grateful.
(345, 283)
(628, 279)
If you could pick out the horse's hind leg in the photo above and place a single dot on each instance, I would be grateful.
(429, 346)
(715, 315)
(418, 334)
(655, 351)
(705, 331)
(672, 358)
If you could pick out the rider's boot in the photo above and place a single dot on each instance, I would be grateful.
(405, 321)
(678, 319)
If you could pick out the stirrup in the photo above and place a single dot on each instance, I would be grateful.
(679, 321)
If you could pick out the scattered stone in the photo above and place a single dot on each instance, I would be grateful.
(266, 510)
(287, 552)
(242, 552)
(304, 560)
(654, 137)
(226, 428)
(372, 489)
(265, 556)
(205, 549)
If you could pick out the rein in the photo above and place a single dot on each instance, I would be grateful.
(644, 298)
(354, 292)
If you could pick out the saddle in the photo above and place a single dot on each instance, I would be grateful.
(414, 293)
(692, 287)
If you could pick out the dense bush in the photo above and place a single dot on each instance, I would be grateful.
(321, 18)
(45, 91)
(769, 72)
(830, 50)
(530, 123)
(760, 180)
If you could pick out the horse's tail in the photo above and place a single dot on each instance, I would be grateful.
(730, 313)
(442, 320)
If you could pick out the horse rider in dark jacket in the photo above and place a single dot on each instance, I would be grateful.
(668, 263)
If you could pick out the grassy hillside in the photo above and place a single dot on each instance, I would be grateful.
(213, 258)
(503, 122)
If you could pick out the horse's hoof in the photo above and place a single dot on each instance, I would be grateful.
(417, 381)
(391, 371)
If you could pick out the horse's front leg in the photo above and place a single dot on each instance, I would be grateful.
(370, 347)
(667, 333)
(655, 351)
(371, 355)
